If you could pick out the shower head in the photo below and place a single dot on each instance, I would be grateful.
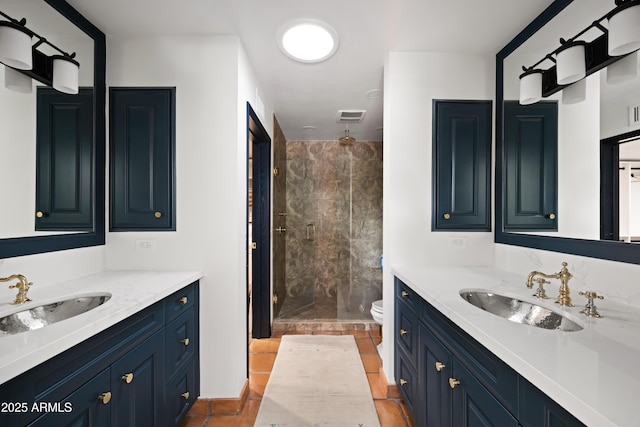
(346, 139)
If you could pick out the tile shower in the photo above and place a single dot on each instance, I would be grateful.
(333, 238)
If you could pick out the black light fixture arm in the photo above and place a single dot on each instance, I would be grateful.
(41, 40)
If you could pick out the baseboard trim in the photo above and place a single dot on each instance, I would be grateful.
(218, 406)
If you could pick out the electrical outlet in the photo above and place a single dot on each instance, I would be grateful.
(145, 245)
(458, 242)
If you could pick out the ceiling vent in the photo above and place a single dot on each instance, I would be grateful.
(350, 116)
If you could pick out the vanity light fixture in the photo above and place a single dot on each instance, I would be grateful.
(20, 56)
(570, 62)
(15, 45)
(308, 40)
(575, 59)
(530, 86)
(624, 27)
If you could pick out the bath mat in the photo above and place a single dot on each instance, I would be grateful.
(317, 381)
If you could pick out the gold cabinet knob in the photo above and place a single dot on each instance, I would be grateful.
(105, 397)
(158, 214)
(440, 366)
(185, 341)
(453, 382)
(551, 216)
(403, 382)
(185, 395)
(404, 294)
(127, 378)
(446, 216)
(403, 332)
(184, 300)
(39, 214)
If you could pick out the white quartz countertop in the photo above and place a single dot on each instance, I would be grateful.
(131, 291)
(593, 373)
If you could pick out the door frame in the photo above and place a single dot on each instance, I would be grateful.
(260, 272)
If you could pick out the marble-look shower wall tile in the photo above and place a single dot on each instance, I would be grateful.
(336, 190)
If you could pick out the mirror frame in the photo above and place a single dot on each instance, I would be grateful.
(607, 250)
(19, 246)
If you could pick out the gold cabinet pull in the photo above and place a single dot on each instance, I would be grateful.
(551, 216)
(440, 366)
(453, 382)
(127, 378)
(403, 382)
(158, 214)
(404, 294)
(105, 397)
(185, 341)
(446, 216)
(184, 300)
(185, 395)
(39, 214)
(403, 332)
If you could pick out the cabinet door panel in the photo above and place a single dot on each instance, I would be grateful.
(409, 386)
(136, 380)
(461, 165)
(180, 341)
(181, 393)
(531, 156)
(473, 405)
(84, 405)
(142, 152)
(64, 161)
(435, 370)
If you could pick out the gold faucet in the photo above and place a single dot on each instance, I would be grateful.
(564, 276)
(22, 286)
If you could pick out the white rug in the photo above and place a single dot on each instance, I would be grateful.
(317, 381)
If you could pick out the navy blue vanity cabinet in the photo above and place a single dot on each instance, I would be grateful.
(406, 333)
(531, 166)
(537, 410)
(64, 161)
(142, 159)
(456, 381)
(182, 351)
(461, 165)
(85, 410)
(119, 377)
(134, 380)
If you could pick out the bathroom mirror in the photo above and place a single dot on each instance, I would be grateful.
(64, 26)
(581, 128)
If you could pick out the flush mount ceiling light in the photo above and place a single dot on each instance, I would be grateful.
(308, 40)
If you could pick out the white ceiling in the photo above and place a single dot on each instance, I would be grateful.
(311, 94)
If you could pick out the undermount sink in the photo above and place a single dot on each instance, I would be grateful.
(43, 315)
(519, 311)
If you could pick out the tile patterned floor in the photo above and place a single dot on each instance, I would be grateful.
(392, 412)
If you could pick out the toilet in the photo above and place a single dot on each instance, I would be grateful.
(376, 313)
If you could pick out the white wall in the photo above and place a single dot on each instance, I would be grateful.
(412, 81)
(214, 81)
